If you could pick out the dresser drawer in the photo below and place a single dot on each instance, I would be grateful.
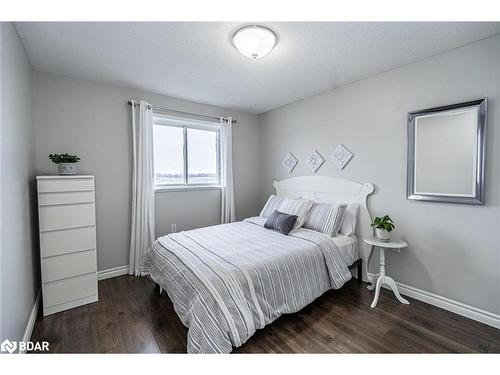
(67, 184)
(49, 199)
(64, 217)
(61, 291)
(67, 265)
(67, 241)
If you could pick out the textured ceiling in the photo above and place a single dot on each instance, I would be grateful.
(196, 61)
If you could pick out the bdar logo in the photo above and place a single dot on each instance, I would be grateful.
(8, 346)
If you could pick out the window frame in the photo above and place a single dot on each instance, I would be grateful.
(185, 124)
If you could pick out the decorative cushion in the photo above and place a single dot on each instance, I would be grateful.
(280, 221)
(325, 218)
(271, 205)
(348, 226)
(299, 207)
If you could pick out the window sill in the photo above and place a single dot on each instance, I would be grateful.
(166, 189)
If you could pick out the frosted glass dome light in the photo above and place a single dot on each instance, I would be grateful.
(254, 41)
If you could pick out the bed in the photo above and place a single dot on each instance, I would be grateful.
(229, 280)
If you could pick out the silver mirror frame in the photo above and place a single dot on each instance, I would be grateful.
(478, 199)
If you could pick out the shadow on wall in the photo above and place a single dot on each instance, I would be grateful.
(33, 217)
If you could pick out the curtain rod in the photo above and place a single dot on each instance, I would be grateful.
(130, 102)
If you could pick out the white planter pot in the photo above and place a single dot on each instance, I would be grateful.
(382, 235)
(67, 168)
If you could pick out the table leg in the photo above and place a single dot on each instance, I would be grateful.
(367, 265)
(390, 281)
(383, 279)
(380, 281)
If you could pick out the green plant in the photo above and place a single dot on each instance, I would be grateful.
(383, 223)
(64, 158)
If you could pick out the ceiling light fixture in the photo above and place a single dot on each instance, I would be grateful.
(254, 41)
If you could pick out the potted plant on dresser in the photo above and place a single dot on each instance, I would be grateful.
(383, 226)
(65, 162)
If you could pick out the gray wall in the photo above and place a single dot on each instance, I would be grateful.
(93, 120)
(19, 255)
(454, 249)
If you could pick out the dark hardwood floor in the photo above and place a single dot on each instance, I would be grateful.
(131, 317)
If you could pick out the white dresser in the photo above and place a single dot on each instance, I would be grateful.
(66, 211)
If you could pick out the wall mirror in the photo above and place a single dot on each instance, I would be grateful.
(446, 152)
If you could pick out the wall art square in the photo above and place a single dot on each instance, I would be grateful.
(289, 162)
(341, 156)
(314, 161)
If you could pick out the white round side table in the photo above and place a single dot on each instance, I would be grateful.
(382, 279)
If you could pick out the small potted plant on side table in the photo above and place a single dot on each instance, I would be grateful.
(383, 226)
(65, 162)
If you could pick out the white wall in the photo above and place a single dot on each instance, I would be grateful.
(187, 209)
(93, 120)
(19, 255)
(454, 249)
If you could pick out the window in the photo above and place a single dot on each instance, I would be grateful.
(186, 153)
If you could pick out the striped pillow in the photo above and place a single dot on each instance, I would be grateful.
(325, 218)
(271, 205)
(299, 207)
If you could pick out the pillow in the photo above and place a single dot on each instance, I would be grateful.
(325, 218)
(281, 222)
(299, 207)
(271, 205)
(348, 226)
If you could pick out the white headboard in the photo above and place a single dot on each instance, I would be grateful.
(330, 189)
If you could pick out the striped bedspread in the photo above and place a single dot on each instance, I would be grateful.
(227, 281)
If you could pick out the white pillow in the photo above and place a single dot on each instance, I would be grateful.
(272, 204)
(299, 207)
(350, 219)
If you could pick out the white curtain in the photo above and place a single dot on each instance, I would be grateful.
(227, 190)
(143, 211)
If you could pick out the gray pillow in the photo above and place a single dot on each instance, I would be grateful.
(281, 222)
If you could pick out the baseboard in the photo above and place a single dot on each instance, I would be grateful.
(456, 307)
(32, 320)
(112, 272)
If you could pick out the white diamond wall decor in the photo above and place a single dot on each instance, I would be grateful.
(289, 162)
(314, 161)
(341, 156)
